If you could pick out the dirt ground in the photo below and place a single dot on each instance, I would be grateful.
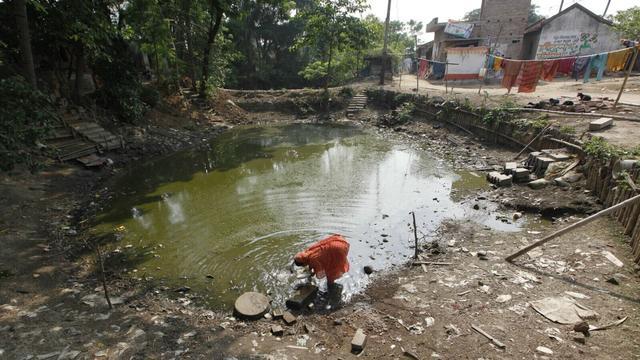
(52, 304)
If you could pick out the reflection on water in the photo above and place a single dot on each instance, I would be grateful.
(229, 218)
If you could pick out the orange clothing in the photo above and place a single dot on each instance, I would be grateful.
(327, 257)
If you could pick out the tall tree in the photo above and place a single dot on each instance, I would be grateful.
(330, 26)
(627, 22)
(22, 21)
(216, 12)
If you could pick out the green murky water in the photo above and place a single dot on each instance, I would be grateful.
(229, 218)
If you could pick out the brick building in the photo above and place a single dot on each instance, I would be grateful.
(501, 27)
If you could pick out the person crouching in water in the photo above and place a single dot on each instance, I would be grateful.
(327, 258)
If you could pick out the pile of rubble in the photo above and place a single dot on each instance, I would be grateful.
(541, 168)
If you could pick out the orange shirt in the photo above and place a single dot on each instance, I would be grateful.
(327, 257)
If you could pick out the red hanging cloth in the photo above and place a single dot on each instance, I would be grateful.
(529, 76)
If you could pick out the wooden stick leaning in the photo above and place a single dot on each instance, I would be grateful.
(626, 77)
(532, 141)
(580, 223)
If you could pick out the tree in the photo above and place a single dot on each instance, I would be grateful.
(473, 15)
(627, 22)
(216, 12)
(22, 21)
(331, 26)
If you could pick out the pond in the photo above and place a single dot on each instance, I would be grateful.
(229, 217)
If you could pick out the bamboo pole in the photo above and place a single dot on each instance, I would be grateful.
(104, 278)
(532, 141)
(626, 77)
(572, 227)
(415, 235)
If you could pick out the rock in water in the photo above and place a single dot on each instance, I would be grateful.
(251, 305)
(302, 297)
(368, 270)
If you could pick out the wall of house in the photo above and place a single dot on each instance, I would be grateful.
(502, 24)
(469, 59)
(530, 45)
(575, 33)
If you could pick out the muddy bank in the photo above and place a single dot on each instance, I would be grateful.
(428, 313)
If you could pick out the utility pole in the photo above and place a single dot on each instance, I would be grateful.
(384, 47)
(417, 66)
(606, 9)
(561, 5)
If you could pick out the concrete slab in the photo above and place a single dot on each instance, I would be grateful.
(302, 297)
(251, 305)
(600, 124)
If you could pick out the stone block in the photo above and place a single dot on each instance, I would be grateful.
(600, 124)
(277, 330)
(289, 318)
(561, 154)
(510, 167)
(302, 297)
(499, 179)
(538, 184)
(359, 341)
(521, 175)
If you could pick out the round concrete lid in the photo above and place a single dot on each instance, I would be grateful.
(252, 305)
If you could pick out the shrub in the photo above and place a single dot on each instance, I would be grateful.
(26, 116)
(149, 96)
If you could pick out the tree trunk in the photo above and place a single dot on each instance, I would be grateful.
(79, 73)
(214, 27)
(186, 10)
(22, 23)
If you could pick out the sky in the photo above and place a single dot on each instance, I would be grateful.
(425, 10)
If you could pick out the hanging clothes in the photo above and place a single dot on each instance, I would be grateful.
(580, 66)
(497, 64)
(618, 60)
(597, 62)
(529, 76)
(566, 65)
(490, 60)
(511, 71)
(438, 70)
(549, 69)
(422, 68)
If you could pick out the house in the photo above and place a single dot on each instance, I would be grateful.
(501, 27)
(573, 31)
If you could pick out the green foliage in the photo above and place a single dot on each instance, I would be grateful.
(568, 129)
(627, 22)
(26, 116)
(150, 96)
(499, 114)
(599, 148)
(346, 92)
(121, 88)
(405, 112)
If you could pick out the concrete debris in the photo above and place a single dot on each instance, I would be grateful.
(612, 258)
(563, 310)
(359, 341)
(521, 175)
(577, 295)
(289, 318)
(429, 321)
(538, 184)
(600, 124)
(499, 179)
(503, 298)
(544, 350)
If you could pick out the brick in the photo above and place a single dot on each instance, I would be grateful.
(359, 341)
(600, 124)
(510, 167)
(499, 179)
(521, 175)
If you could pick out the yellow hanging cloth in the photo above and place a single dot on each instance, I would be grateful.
(497, 64)
(618, 59)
